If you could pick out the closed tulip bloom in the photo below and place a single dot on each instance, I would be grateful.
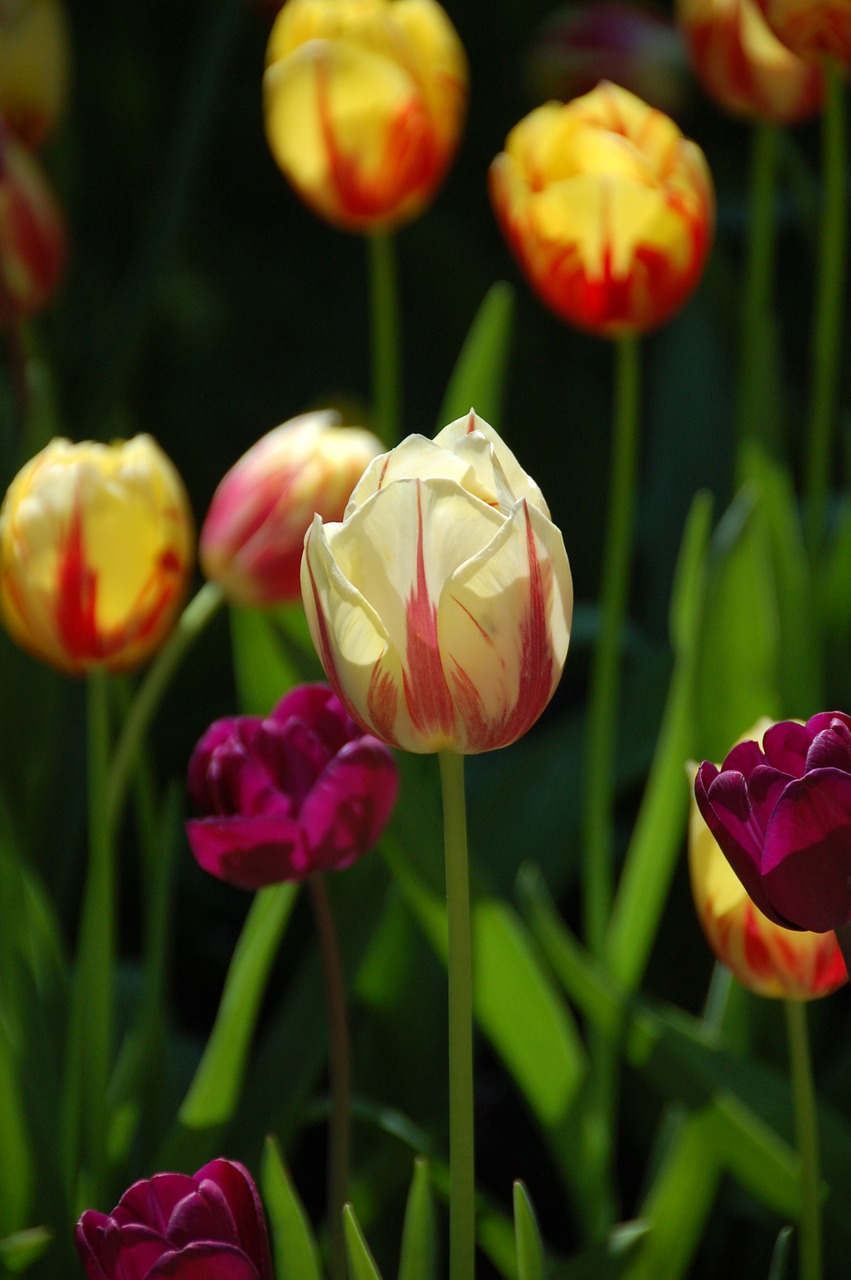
(253, 536)
(303, 790)
(766, 958)
(781, 813)
(742, 64)
(34, 66)
(32, 235)
(206, 1227)
(608, 209)
(96, 548)
(364, 102)
(811, 28)
(440, 606)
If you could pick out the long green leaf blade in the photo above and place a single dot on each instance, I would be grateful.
(294, 1246)
(361, 1261)
(418, 1259)
(530, 1249)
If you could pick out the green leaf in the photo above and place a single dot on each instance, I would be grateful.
(215, 1089)
(16, 1165)
(530, 1249)
(272, 652)
(19, 1251)
(609, 1260)
(418, 1259)
(361, 1261)
(781, 1258)
(296, 1254)
(478, 378)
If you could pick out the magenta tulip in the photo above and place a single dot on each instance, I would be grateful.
(303, 790)
(207, 1227)
(782, 816)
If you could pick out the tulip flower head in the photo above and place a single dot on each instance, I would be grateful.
(34, 67)
(742, 64)
(96, 548)
(252, 539)
(811, 28)
(766, 958)
(206, 1227)
(781, 813)
(440, 606)
(608, 209)
(364, 103)
(303, 790)
(32, 235)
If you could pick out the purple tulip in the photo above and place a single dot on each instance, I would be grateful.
(208, 1227)
(782, 816)
(303, 790)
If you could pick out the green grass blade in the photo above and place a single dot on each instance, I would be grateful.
(361, 1261)
(418, 1259)
(478, 378)
(530, 1249)
(295, 1251)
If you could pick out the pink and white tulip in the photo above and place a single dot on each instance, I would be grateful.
(440, 606)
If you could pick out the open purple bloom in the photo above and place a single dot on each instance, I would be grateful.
(782, 816)
(207, 1227)
(303, 790)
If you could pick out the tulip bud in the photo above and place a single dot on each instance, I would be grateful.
(742, 64)
(32, 239)
(440, 607)
(608, 209)
(766, 958)
(34, 67)
(252, 539)
(211, 1225)
(364, 102)
(95, 553)
(811, 28)
(303, 790)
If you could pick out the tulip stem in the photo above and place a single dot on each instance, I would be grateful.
(601, 720)
(462, 1224)
(826, 332)
(338, 1072)
(806, 1134)
(386, 361)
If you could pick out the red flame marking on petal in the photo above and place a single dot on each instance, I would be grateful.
(426, 690)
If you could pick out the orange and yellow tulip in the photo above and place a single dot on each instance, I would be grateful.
(364, 102)
(811, 28)
(608, 209)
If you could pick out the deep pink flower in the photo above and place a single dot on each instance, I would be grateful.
(303, 790)
(207, 1227)
(782, 816)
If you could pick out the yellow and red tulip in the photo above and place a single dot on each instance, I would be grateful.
(364, 103)
(34, 67)
(440, 606)
(96, 548)
(253, 535)
(32, 235)
(608, 209)
(811, 28)
(742, 64)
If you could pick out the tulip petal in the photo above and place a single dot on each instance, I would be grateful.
(350, 804)
(786, 745)
(238, 1187)
(831, 747)
(453, 436)
(807, 860)
(204, 1262)
(250, 852)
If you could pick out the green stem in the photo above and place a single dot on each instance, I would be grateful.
(338, 1070)
(462, 1224)
(90, 1036)
(756, 426)
(386, 361)
(601, 722)
(191, 623)
(827, 323)
(806, 1133)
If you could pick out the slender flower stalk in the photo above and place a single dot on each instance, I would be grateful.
(338, 1070)
(827, 323)
(386, 360)
(462, 1227)
(806, 1133)
(598, 791)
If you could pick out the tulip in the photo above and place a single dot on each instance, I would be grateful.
(303, 790)
(766, 958)
(34, 67)
(440, 606)
(782, 816)
(364, 102)
(252, 539)
(207, 1227)
(742, 64)
(608, 209)
(811, 28)
(32, 237)
(96, 548)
